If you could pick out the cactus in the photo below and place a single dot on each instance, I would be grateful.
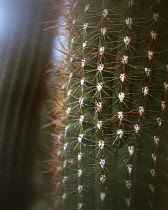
(111, 150)
(25, 50)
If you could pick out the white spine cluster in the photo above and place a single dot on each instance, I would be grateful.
(101, 144)
(80, 205)
(98, 106)
(102, 178)
(156, 140)
(68, 110)
(86, 8)
(81, 119)
(166, 85)
(159, 121)
(154, 157)
(66, 129)
(125, 59)
(122, 77)
(129, 168)
(102, 196)
(80, 188)
(163, 105)
(85, 25)
(131, 3)
(99, 124)
(105, 13)
(73, 22)
(80, 137)
(82, 81)
(150, 55)
(81, 101)
(120, 133)
(103, 31)
(79, 173)
(127, 40)
(128, 184)
(79, 156)
(130, 150)
(64, 179)
(71, 59)
(69, 93)
(151, 187)
(155, 16)
(136, 128)
(147, 71)
(120, 115)
(64, 196)
(73, 39)
(152, 171)
(64, 164)
(99, 86)
(102, 162)
(101, 50)
(84, 44)
(153, 35)
(145, 90)
(100, 67)
(129, 22)
(141, 110)
(128, 202)
(65, 146)
(121, 96)
(83, 62)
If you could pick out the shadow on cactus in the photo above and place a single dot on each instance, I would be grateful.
(111, 150)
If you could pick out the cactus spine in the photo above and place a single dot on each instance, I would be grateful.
(111, 148)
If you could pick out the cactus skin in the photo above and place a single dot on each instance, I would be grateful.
(111, 150)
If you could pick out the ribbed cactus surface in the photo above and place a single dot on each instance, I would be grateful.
(24, 53)
(111, 151)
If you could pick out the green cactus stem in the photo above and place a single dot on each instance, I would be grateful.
(111, 150)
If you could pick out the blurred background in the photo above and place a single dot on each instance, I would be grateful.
(26, 52)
